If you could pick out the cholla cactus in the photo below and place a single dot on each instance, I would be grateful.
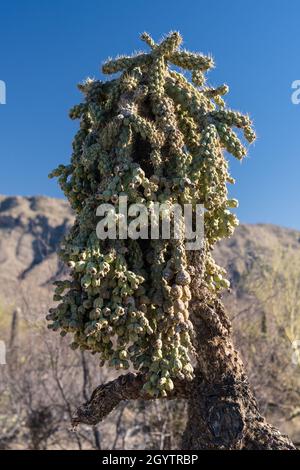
(154, 136)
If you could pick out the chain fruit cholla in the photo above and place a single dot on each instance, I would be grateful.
(153, 136)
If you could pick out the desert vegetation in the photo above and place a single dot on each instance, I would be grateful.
(39, 391)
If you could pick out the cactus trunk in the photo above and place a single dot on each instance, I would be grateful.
(222, 410)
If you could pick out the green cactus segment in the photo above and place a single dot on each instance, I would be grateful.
(153, 136)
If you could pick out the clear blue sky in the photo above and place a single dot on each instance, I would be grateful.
(47, 47)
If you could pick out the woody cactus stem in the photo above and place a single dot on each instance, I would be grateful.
(152, 136)
(222, 411)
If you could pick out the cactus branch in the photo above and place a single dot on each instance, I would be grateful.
(106, 397)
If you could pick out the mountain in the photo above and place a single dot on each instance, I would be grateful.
(31, 228)
(30, 231)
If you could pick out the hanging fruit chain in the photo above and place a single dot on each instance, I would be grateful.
(153, 136)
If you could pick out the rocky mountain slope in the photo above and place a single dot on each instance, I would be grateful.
(31, 228)
(30, 231)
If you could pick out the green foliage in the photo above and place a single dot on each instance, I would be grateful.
(151, 135)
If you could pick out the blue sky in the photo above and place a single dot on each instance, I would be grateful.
(47, 47)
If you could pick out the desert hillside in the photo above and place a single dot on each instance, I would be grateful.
(30, 231)
(31, 228)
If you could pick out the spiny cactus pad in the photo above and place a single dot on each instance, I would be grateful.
(152, 135)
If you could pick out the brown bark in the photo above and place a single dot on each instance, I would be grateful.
(106, 397)
(223, 413)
